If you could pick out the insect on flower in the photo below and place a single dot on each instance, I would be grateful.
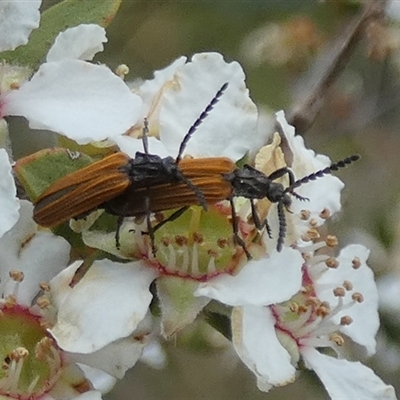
(148, 183)
(252, 184)
(110, 182)
(245, 182)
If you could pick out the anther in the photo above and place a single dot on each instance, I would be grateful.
(332, 262)
(346, 320)
(305, 214)
(212, 253)
(358, 297)
(10, 301)
(43, 302)
(326, 305)
(166, 241)
(222, 243)
(302, 310)
(313, 301)
(339, 292)
(348, 285)
(322, 311)
(198, 237)
(331, 241)
(122, 70)
(313, 234)
(42, 348)
(356, 263)
(17, 276)
(304, 237)
(19, 353)
(294, 307)
(45, 286)
(82, 386)
(325, 213)
(181, 240)
(313, 222)
(337, 339)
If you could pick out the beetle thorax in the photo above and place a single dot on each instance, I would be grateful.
(276, 193)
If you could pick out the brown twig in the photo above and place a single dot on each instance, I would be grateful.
(328, 66)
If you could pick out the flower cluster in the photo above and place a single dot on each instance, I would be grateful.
(298, 304)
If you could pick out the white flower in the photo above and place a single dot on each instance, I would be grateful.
(176, 97)
(335, 300)
(190, 273)
(83, 101)
(34, 366)
(17, 20)
(179, 95)
(322, 194)
(9, 204)
(106, 305)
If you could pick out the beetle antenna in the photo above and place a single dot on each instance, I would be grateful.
(319, 174)
(199, 121)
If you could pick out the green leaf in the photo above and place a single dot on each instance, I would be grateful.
(38, 171)
(56, 19)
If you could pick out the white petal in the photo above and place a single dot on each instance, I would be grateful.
(82, 101)
(266, 126)
(115, 358)
(60, 284)
(81, 42)
(347, 380)
(100, 380)
(17, 20)
(262, 282)
(154, 355)
(131, 145)
(228, 129)
(9, 204)
(393, 9)
(255, 340)
(91, 395)
(365, 315)
(148, 91)
(39, 255)
(323, 193)
(106, 305)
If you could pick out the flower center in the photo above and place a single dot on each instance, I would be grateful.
(310, 321)
(31, 360)
(198, 245)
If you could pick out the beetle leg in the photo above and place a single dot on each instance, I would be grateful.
(236, 236)
(120, 220)
(150, 229)
(298, 197)
(257, 222)
(281, 172)
(172, 217)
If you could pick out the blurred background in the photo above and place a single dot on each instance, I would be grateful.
(286, 49)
